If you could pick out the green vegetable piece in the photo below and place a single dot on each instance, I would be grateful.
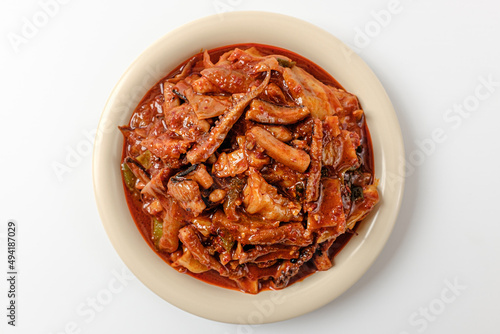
(145, 159)
(299, 191)
(285, 63)
(128, 177)
(325, 172)
(356, 193)
(227, 240)
(157, 226)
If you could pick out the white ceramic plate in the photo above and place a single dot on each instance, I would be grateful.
(203, 299)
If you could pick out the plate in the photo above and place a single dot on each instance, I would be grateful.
(210, 301)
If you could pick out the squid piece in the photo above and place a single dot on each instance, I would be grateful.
(201, 175)
(286, 178)
(138, 170)
(361, 210)
(134, 136)
(326, 234)
(261, 250)
(358, 114)
(192, 242)
(228, 80)
(253, 59)
(217, 195)
(291, 252)
(273, 94)
(312, 93)
(330, 209)
(207, 62)
(187, 193)
(185, 123)
(279, 132)
(340, 152)
(230, 164)
(321, 258)
(257, 159)
(171, 99)
(166, 146)
(290, 268)
(265, 112)
(348, 101)
(203, 86)
(249, 233)
(331, 126)
(207, 144)
(351, 142)
(249, 285)
(180, 89)
(295, 159)
(172, 222)
(312, 189)
(262, 198)
(156, 189)
(190, 263)
(206, 106)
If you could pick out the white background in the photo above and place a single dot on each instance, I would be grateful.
(432, 57)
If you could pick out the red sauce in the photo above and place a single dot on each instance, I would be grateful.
(143, 220)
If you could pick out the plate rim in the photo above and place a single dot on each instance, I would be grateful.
(294, 293)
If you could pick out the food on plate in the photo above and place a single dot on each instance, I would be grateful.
(248, 167)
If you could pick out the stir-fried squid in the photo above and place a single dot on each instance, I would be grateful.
(248, 167)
